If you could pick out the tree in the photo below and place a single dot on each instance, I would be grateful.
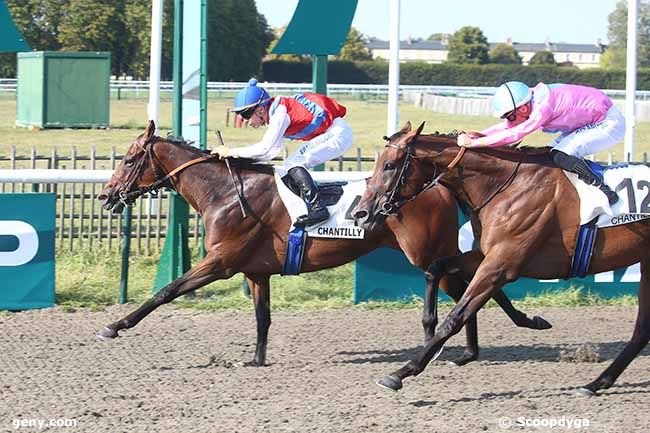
(277, 34)
(38, 21)
(617, 34)
(504, 54)
(438, 37)
(468, 45)
(613, 58)
(96, 25)
(542, 58)
(354, 48)
(238, 35)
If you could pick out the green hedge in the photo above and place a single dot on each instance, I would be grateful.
(376, 72)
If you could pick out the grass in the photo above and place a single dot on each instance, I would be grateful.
(83, 279)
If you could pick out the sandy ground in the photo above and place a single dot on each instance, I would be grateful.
(180, 371)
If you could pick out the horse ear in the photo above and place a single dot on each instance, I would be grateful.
(407, 127)
(419, 130)
(149, 131)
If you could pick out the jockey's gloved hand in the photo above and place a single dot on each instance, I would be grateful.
(464, 140)
(224, 152)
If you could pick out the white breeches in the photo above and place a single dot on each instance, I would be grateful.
(329, 145)
(594, 137)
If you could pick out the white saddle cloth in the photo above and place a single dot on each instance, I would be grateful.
(633, 185)
(340, 224)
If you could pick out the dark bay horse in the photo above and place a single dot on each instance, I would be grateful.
(526, 218)
(256, 245)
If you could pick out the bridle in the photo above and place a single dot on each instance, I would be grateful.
(393, 204)
(128, 197)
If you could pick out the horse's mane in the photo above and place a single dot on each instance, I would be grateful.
(243, 163)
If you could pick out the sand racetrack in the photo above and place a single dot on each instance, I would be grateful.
(181, 371)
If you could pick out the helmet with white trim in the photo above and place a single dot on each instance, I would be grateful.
(510, 96)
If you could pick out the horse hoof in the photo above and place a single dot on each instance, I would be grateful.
(541, 323)
(390, 382)
(107, 333)
(585, 392)
(462, 361)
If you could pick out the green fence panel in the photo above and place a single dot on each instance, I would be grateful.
(27, 223)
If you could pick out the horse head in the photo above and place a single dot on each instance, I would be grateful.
(400, 175)
(137, 170)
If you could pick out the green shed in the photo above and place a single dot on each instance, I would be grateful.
(63, 89)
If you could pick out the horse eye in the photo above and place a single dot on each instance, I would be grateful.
(129, 162)
(390, 165)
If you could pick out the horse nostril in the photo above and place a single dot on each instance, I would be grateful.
(102, 197)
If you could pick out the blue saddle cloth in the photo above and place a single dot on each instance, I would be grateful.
(295, 251)
(584, 249)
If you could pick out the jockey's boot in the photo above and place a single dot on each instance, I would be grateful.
(580, 167)
(316, 211)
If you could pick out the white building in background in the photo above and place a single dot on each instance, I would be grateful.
(581, 55)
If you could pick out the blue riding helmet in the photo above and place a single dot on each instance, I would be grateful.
(510, 96)
(250, 97)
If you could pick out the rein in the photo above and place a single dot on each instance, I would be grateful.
(128, 198)
(503, 186)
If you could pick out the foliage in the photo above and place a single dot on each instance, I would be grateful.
(468, 45)
(421, 73)
(613, 58)
(438, 37)
(542, 58)
(617, 34)
(504, 54)
(277, 34)
(354, 48)
(237, 34)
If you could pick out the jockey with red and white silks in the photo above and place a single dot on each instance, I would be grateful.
(587, 120)
(315, 119)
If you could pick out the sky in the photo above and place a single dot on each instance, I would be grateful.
(570, 21)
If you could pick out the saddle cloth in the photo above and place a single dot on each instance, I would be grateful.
(631, 183)
(341, 224)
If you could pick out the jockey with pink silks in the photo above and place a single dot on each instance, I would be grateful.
(585, 117)
(313, 118)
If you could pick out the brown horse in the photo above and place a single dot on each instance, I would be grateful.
(525, 215)
(256, 245)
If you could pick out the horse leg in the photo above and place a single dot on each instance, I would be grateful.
(466, 264)
(204, 272)
(490, 276)
(259, 286)
(455, 288)
(640, 338)
(430, 310)
(518, 317)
